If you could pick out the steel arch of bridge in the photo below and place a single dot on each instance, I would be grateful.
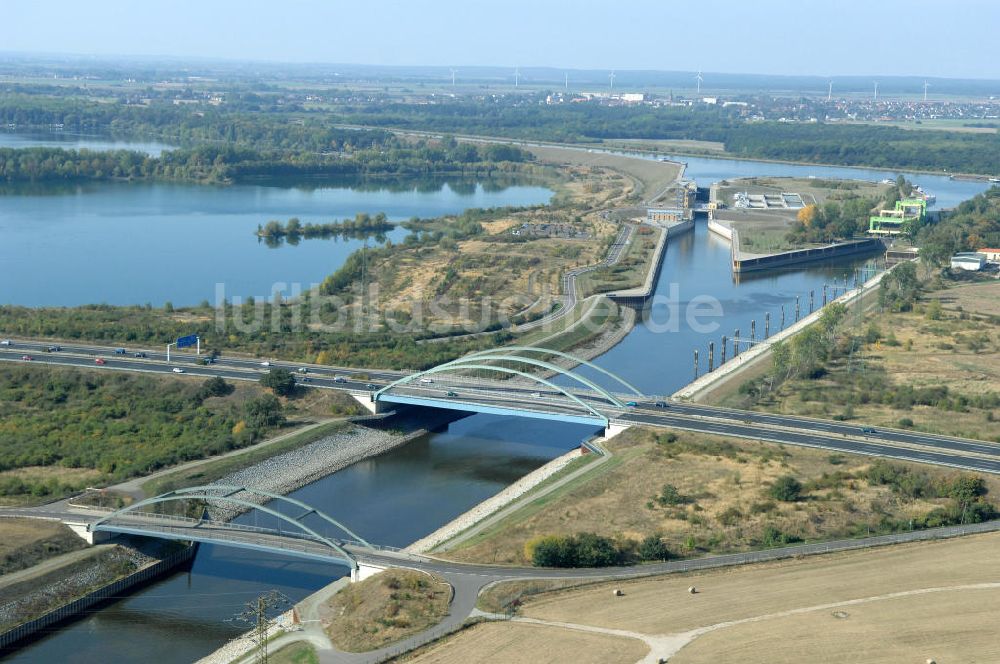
(203, 493)
(464, 361)
(568, 356)
(489, 367)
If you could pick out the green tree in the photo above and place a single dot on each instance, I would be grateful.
(280, 381)
(263, 412)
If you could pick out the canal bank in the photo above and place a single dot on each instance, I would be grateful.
(153, 560)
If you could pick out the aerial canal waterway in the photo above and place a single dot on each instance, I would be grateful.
(657, 356)
(405, 494)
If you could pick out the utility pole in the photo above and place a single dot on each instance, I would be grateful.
(696, 364)
(255, 613)
(767, 325)
(736, 342)
(711, 356)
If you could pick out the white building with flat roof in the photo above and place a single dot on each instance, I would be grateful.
(971, 261)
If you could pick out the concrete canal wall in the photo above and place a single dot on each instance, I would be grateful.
(72, 609)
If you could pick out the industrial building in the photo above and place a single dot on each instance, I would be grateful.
(900, 220)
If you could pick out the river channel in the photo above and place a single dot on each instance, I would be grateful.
(400, 496)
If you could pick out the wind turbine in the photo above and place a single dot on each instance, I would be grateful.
(612, 77)
(566, 85)
(829, 92)
(517, 76)
(699, 79)
(876, 90)
(453, 72)
(926, 85)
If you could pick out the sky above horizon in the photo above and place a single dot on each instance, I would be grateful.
(929, 38)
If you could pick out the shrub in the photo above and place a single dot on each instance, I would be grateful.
(730, 517)
(786, 488)
(652, 547)
(669, 495)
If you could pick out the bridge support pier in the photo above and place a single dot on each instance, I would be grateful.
(613, 430)
(365, 399)
(80, 529)
(364, 571)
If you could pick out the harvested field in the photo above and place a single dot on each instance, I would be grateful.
(516, 643)
(957, 625)
(662, 605)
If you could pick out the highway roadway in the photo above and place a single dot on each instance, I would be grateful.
(835, 436)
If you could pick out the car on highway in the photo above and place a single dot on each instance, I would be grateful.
(27, 358)
(303, 370)
(340, 379)
(660, 404)
(537, 395)
(177, 370)
(6, 342)
(100, 361)
(426, 381)
(868, 431)
(449, 393)
(119, 351)
(140, 355)
(265, 363)
(53, 349)
(305, 379)
(631, 404)
(370, 386)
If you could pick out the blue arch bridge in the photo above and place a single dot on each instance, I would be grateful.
(300, 531)
(524, 381)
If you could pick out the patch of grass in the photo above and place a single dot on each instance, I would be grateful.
(300, 652)
(719, 499)
(385, 608)
(26, 542)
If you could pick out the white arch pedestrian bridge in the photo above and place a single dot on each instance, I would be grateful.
(516, 380)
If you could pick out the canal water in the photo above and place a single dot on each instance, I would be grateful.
(696, 283)
(398, 497)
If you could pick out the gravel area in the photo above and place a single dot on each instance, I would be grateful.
(294, 469)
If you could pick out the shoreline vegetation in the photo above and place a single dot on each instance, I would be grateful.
(293, 230)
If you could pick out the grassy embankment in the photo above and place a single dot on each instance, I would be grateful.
(26, 542)
(886, 605)
(706, 494)
(66, 429)
(935, 368)
(384, 609)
